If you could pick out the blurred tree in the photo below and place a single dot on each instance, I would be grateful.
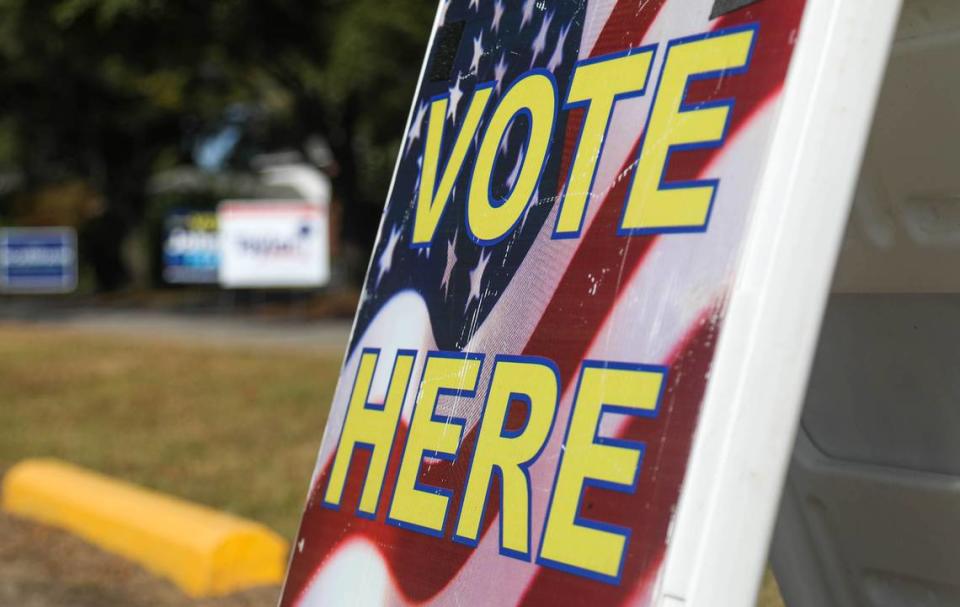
(107, 90)
(349, 69)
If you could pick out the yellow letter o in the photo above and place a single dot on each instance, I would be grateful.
(535, 95)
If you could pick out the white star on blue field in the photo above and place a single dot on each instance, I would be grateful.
(458, 279)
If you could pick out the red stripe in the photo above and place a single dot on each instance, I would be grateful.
(668, 438)
(647, 511)
(627, 26)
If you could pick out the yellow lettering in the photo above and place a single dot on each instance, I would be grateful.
(432, 198)
(509, 454)
(568, 542)
(535, 95)
(597, 85)
(683, 207)
(371, 427)
(418, 507)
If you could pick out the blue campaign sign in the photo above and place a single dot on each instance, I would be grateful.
(38, 260)
(190, 247)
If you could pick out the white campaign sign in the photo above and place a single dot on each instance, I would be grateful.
(265, 244)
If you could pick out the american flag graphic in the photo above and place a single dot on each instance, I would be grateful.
(656, 299)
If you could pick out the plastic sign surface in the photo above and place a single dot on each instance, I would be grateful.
(515, 415)
(38, 260)
(265, 244)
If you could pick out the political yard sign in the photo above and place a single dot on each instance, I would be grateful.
(539, 328)
(273, 244)
(191, 250)
(38, 260)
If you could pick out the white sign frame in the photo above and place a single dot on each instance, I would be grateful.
(752, 407)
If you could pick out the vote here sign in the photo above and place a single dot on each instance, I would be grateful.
(516, 412)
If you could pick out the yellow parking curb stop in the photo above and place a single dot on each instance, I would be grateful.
(203, 551)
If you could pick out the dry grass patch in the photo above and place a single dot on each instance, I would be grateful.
(236, 429)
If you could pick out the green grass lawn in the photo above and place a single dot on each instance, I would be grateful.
(233, 428)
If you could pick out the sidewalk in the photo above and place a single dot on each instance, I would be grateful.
(206, 328)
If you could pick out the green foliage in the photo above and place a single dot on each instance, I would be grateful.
(109, 91)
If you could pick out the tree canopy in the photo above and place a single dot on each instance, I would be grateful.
(111, 91)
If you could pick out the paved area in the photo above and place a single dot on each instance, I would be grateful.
(206, 328)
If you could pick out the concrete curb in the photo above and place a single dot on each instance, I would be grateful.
(203, 551)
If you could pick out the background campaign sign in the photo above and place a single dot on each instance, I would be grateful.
(38, 260)
(265, 244)
(191, 248)
(606, 246)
